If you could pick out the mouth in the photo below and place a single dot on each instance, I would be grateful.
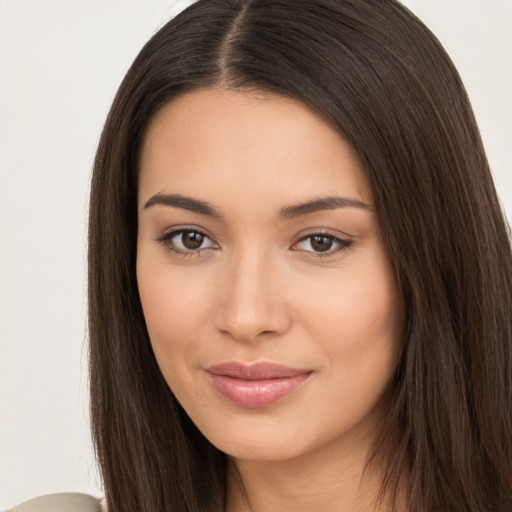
(255, 385)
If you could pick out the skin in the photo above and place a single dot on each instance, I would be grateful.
(259, 290)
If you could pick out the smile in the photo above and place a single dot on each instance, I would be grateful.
(256, 385)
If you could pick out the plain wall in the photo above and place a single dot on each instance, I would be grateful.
(61, 62)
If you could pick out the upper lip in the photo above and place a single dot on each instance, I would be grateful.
(255, 371)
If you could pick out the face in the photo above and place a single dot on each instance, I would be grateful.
(270, 302)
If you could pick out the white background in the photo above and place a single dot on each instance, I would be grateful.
(61, 62)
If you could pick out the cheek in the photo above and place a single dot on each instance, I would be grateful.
(172, 305)
(358, 328)
(358, 306)
(357, 322)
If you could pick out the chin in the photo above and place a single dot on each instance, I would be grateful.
(274, 450)
(255, 436)
(284, 433)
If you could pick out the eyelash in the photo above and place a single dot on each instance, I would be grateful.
(166, 241)
(340, 244)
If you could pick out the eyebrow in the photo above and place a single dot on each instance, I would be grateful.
(184, 202)
(324, 203)
(288, 212)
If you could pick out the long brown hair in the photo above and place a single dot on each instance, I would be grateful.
(378, 75)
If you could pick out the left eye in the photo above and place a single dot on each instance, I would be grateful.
(322, 244)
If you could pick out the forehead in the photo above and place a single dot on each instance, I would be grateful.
(225, 143)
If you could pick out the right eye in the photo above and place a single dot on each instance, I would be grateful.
(187, 242)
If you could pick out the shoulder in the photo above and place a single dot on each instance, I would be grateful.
(62, 502)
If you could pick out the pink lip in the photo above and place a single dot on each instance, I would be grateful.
(255, 385)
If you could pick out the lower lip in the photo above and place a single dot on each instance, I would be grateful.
(253, 394)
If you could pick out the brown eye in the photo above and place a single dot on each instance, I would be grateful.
(192, 240)
(321, 243)
(187, 242)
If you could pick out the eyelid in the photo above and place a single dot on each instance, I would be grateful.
(166, 238)
(341, 243)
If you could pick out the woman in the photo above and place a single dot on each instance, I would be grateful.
(299, 274)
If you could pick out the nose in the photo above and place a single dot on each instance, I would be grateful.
(251, 299)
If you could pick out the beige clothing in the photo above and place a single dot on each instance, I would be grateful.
(63, 502)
